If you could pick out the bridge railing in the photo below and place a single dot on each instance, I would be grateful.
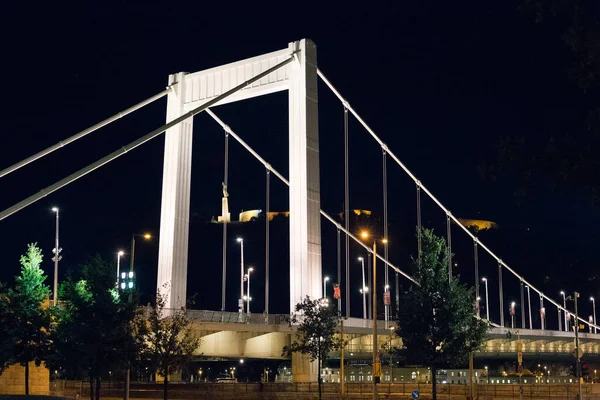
(228, 317)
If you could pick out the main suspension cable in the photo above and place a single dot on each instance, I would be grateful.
(323, 213)
(438, 202)
(136, 143)
(84, 132)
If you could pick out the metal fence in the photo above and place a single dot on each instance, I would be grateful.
(309, 391)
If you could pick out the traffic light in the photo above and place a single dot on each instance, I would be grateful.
(585, 370)
(127, 281)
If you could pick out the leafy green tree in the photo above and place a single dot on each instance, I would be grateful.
(166, 338)
(317, 322)
(437, 321)
(5, 345)
(94, 330)
(25, 318)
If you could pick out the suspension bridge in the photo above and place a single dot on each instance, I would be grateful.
(294, 69)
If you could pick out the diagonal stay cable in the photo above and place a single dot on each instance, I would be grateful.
(105, 160)
(84, 132)
(284, 180)
(438, 202)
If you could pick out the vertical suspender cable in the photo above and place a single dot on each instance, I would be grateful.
(523, 308)
(267, 209)
(225, 173)
(385, 233)
(501, 294)
(476, 261)
(419, 227)
(449, 236)
(339, 268)
(347, 210)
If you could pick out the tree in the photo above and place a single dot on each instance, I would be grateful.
(437, 321)
(27, 318)
(6, 344)
(94, 330)
(317, 322)
(166, 338)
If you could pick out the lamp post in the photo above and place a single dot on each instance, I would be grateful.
(512, 314)
(248, 291)
(364, 289)
(594, 309)
(565, 310)
(542, 312)
(57, 257)
(241, 300)
(529, 306)
(119, 254)
(146, 236)
(487, 308)
(376, 362)
(325, 286)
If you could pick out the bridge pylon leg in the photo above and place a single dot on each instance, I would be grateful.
(303, 370)
(305, 188)
(175, 204)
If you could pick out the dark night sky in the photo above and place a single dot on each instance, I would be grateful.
(440, 82)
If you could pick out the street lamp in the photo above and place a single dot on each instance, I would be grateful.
(487, 300)
(146, 236)
(57, 257)
(248, 299)
(119, 254)
(325, 280)
(241, 300)
(594, 308)
(376, 362)
(364, 289)
(565, 307)
(512, 314)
